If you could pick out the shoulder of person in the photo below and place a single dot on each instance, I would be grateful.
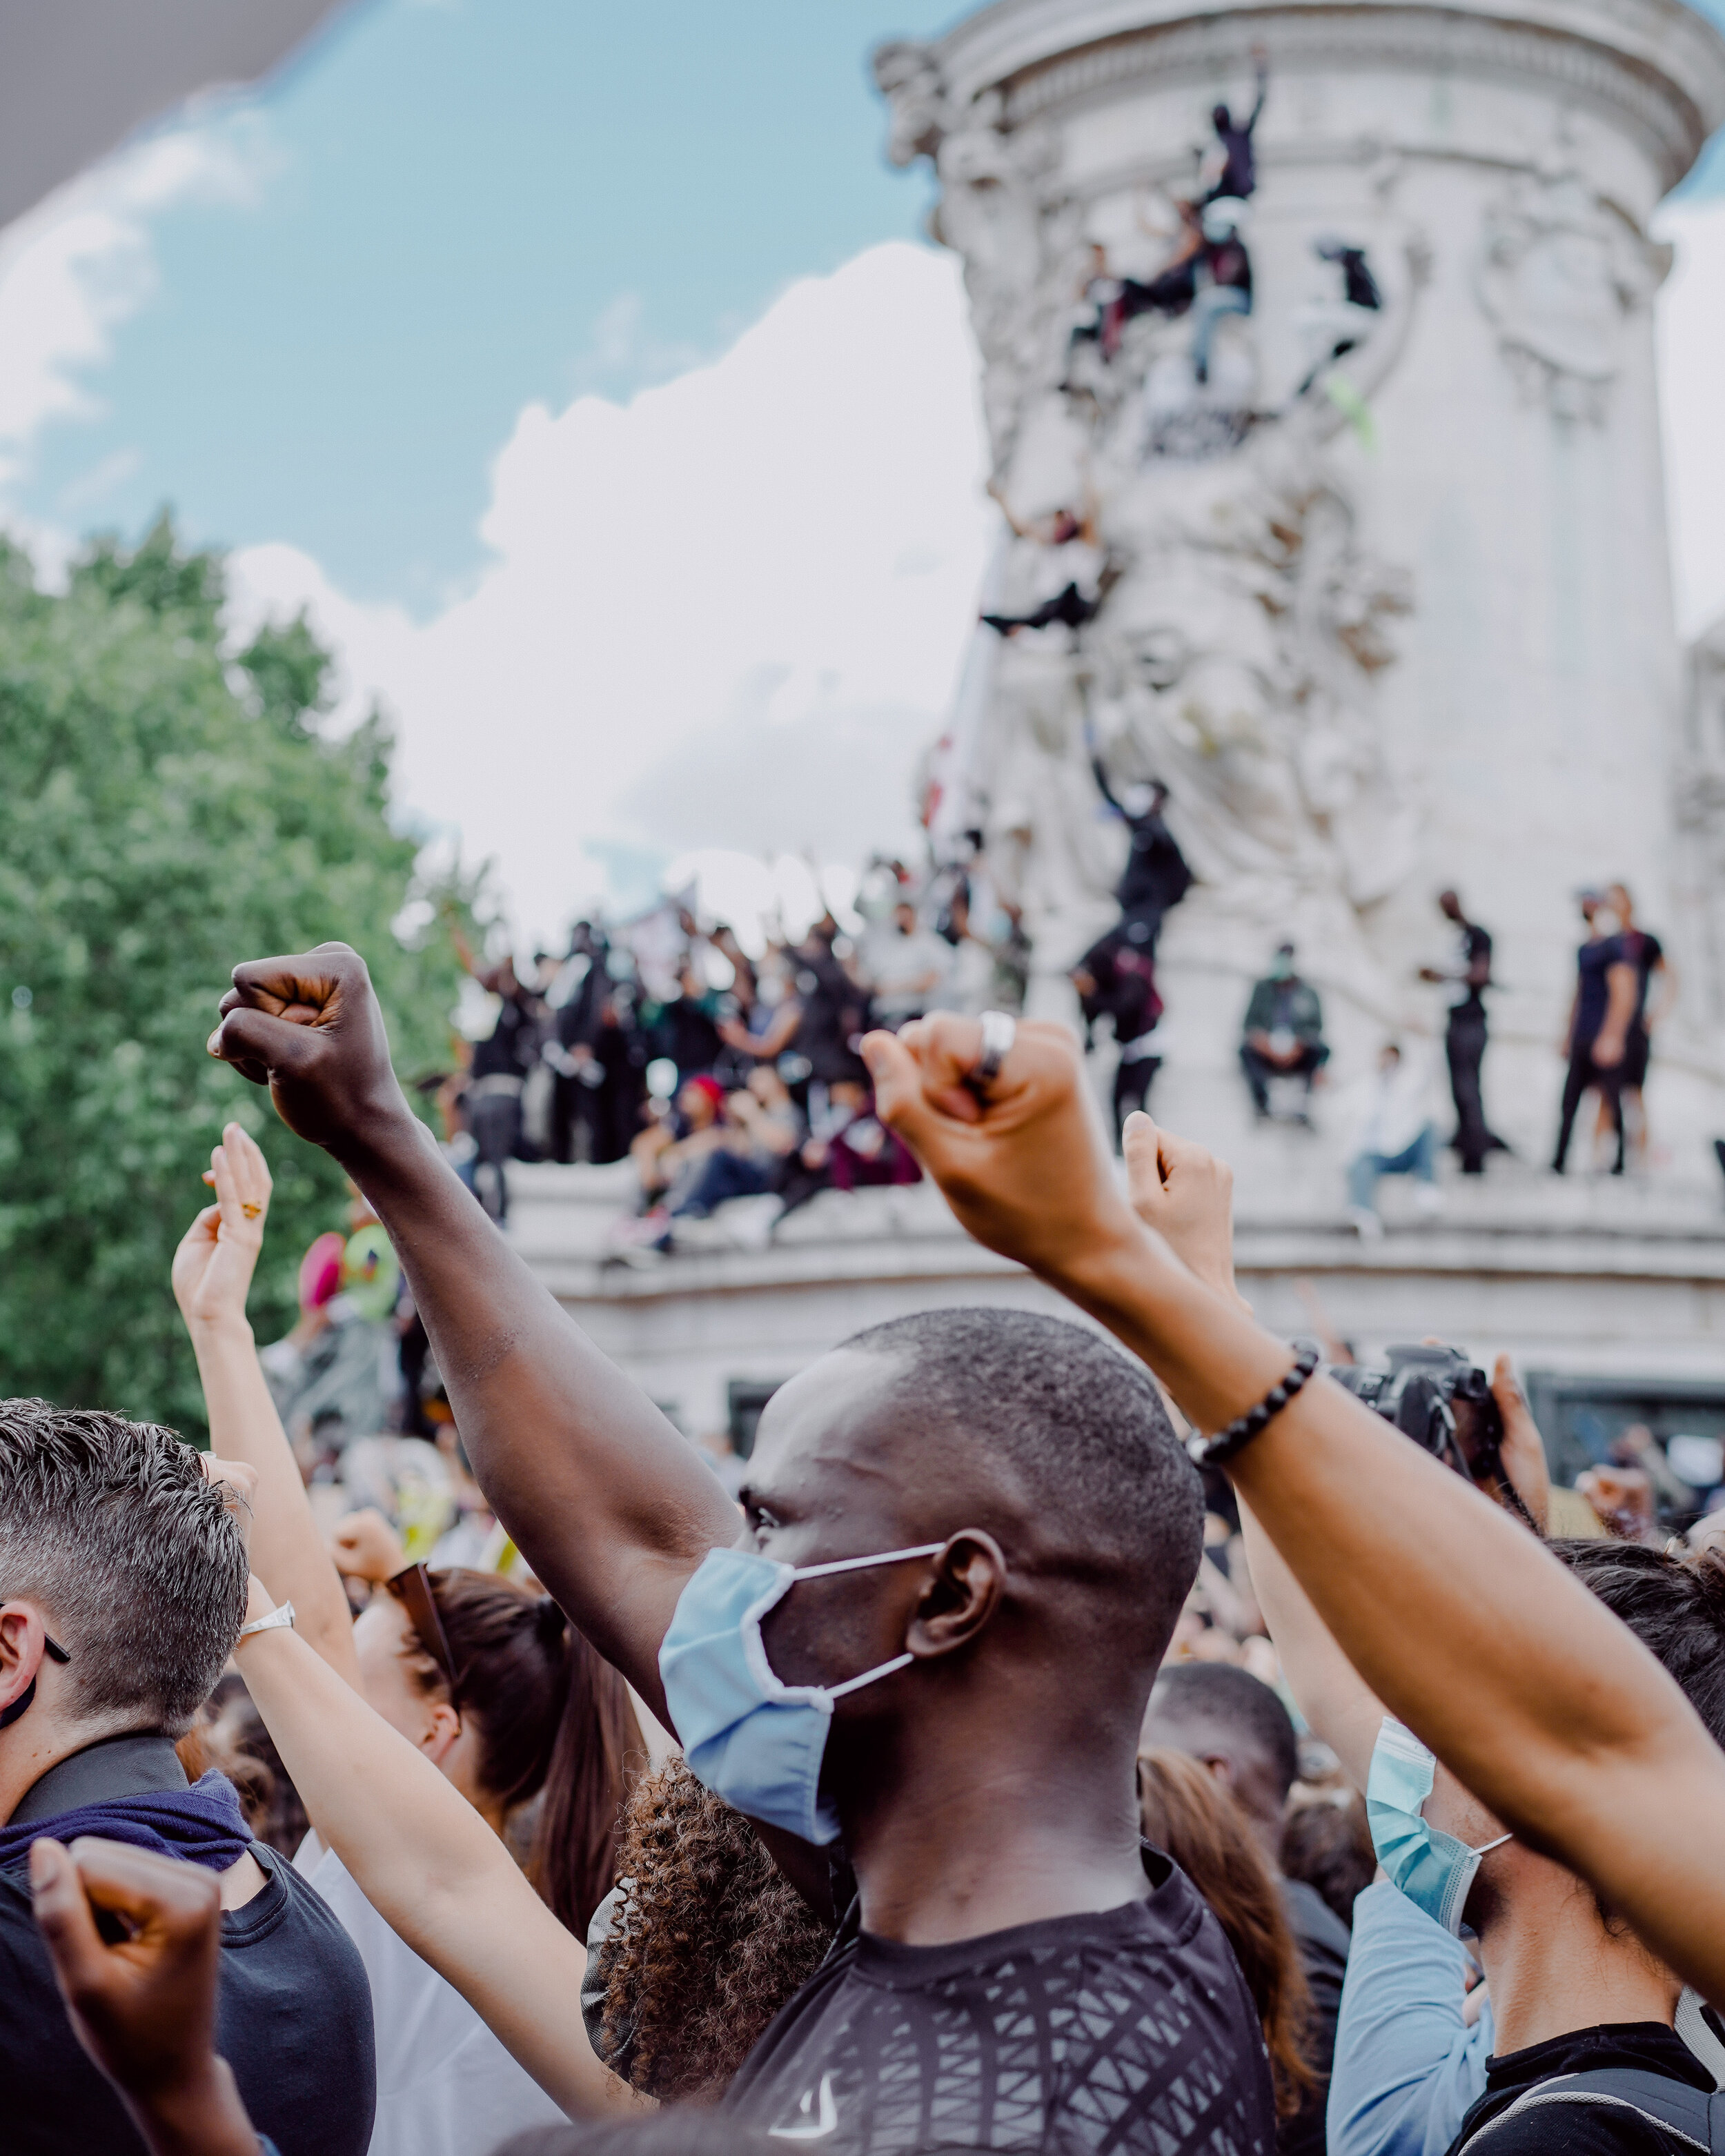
(1571, 2129)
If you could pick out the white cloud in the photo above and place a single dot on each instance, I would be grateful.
(1692, 331)
(724, 614)
(82, 261)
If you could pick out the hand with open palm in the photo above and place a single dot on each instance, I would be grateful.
(213, 1267)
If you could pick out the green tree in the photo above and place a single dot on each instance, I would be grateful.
(167, 811)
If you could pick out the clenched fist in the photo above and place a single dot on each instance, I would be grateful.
(309, 1028)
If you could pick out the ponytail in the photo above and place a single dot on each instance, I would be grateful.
(596, 1750)
(555, 1723)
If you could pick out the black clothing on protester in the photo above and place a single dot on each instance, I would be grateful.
(513, 1048)
(1129, 2031)
(1260, 1070)
(1581, 1075)
(1069, 608)
(1229, 264)
(293, 2007)
(1156, 876)
(1593, 961)
(1324, 1940)
(1240, 173)
(1576, 2129)
(1360, 285)
(835, 1012)
(1465, 1046)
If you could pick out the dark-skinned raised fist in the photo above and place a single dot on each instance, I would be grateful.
(308, 1027)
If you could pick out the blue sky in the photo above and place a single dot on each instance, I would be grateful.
(581, 371)
(460, 206)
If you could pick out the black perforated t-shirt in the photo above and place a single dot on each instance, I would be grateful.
(1131, 2031)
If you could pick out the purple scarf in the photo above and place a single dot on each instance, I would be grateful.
(202, 1825)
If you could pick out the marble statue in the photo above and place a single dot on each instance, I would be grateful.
(1339, 496)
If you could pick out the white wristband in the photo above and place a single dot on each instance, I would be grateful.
(283, 1615)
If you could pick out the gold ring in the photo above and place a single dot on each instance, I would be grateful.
(250, 1211)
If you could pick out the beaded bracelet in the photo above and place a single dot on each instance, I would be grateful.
(1213, 1451)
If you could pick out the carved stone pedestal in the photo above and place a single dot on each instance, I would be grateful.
(1384, 596)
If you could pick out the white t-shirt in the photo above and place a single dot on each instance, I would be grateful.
(445, 2086)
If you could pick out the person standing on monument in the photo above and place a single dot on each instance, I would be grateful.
(1599, 1013)
(1467, 974)
(1645, 954)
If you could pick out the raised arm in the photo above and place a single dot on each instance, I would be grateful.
(1550, 1711)
(609, 1506)
(428, 1864)
(212, 1274)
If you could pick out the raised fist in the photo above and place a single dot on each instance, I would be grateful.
(1026, 1169)
(308, 1027)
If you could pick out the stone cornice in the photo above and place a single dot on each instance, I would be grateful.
(1650, 64)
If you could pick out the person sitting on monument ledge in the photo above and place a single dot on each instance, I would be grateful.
(1012, 1526)
(1284, 1030)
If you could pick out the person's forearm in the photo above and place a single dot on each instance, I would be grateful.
(205, 2117)
(1533, 1695)
(429, 1866)
(287, 1551)
(610, 1505)
(1339, 1706)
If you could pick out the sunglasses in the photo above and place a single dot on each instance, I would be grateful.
(412, 1588)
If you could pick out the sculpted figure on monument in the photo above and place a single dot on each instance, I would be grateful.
(1560, 274)
(1185, 590)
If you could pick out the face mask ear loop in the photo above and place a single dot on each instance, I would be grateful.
(857, 1564)
(1486, 1848)
(868, 1676)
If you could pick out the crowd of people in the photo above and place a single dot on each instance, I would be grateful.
(1624, 988)
(722, 1076)
(1161, 1743)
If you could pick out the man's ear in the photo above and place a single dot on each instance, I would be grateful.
(22, 1643)
(960, 1596)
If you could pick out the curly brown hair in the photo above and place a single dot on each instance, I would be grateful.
(1186, 1812)
(709, 1943)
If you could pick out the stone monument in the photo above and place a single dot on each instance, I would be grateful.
(1372, 572)
(1376, 548)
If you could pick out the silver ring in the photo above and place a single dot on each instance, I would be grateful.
(999, 1031)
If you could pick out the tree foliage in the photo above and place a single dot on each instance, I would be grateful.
(167, 811)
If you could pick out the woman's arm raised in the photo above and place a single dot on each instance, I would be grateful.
(212, 1273)
(429, 1866)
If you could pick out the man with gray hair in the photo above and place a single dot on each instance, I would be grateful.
(122, 1589)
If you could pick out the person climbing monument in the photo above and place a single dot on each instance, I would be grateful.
(1238, 175)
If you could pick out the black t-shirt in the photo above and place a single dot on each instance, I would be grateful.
(1323, 1941)
(294, 2020)
(1579, 2129)
(509, 1052)
(1647, 954)
(1127, 2030)
(1593, 961)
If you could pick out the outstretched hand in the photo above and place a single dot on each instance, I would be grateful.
(1027, 1171)
(145, 2008)
(310, 1028)
(213, 1267)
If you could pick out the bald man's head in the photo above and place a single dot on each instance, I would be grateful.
(1236, 1726)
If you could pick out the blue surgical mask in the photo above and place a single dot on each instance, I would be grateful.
(755, 1742)
(1433, 1869)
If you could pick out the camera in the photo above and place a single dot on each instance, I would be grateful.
(1438, 1398)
